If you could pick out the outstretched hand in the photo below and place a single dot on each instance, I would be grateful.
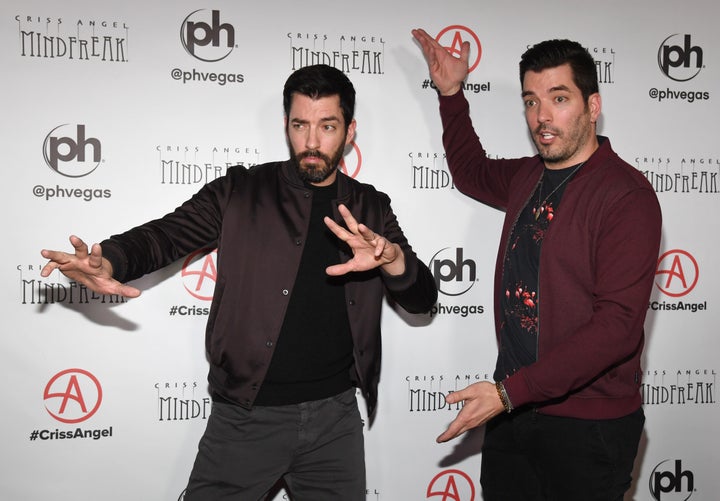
(446, 71)
(87, 267)
(369, 249)
(480, 404)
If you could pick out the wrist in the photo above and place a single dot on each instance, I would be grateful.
(451, 91)
(397, 265)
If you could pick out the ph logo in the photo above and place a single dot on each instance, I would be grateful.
(72, 396)
(69, 152)
(207, 41)
(677, 484)
(680, 61)
(453, 276)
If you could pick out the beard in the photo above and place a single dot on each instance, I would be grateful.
(316, 172)
(573, 139)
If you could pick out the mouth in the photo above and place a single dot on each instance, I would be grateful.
(546, 136)
(312, 157)
(312, 163)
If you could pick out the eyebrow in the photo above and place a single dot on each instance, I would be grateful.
(557, 88)
(324, 119)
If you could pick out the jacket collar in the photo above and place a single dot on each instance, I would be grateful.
(598, 157)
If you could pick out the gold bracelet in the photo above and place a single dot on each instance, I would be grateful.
(503, 396)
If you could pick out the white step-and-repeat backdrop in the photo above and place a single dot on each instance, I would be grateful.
(115, 112)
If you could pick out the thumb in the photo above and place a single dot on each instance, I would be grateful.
(455, 397)
(465, 52)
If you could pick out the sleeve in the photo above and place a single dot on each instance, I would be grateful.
(151, 246)
(415, 290)
(474, 174)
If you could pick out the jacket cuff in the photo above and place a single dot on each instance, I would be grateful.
(113, 253)
(517, 389)
(404, 281)
(452, 105)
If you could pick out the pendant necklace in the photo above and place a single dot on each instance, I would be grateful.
(540, 204)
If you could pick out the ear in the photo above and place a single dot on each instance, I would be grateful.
(595, 105)
(350, 132)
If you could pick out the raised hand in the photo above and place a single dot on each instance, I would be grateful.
(370, 250)
(446, 71)
(86, 267)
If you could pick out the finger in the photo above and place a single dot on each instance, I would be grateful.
(455, 429)
(465, 52)
(456, 396)
(367, 233)
(81, 249)
(96, 256)
(347, 216)
(337, 270)
(338, 230)
(426, 45)
(49, 267)
(52, 255)
(55, 259)
(424, 38)
(379, 248)
(128, 291)
(370, 236)
(420, 35)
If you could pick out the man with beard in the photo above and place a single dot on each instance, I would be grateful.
(294, 324)
(574, 273)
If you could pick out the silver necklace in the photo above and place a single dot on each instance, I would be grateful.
(540, 204)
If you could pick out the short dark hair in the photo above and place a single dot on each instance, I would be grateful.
(554, 53)
(321, 80)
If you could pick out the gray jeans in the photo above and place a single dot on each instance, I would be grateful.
(316, 448)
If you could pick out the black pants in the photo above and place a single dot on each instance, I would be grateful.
(316, 447)
(529, 456)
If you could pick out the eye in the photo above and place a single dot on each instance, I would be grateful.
(529, 103)
(561, 99)
(329, 127)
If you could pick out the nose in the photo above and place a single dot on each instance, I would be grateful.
(543, 114)
(312, 141)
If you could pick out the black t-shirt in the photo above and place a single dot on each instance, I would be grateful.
(314, 352)
(520, 300)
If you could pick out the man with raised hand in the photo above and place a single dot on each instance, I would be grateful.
(574, 273)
